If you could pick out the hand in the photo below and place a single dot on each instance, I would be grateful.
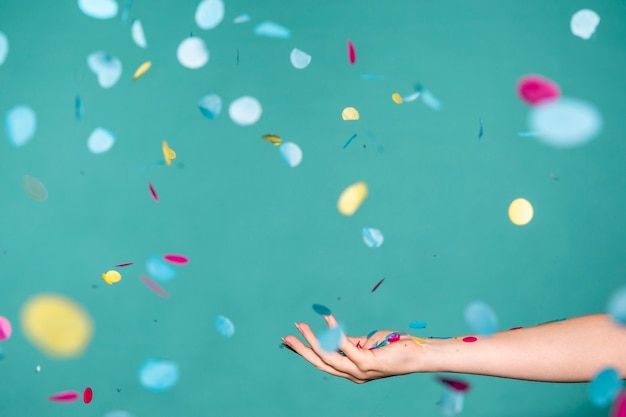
(363, 361)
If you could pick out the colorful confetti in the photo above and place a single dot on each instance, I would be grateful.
(87, 395)
(209, 14)
(455, 384)
(111, 277)
(242, 18)
(5, 329)
(417, 325)
(64, 397)
(107, 68)
(272, 30)
(350, 113)
(245, 111)
(349, 141)
(321, 310)
(351, 53)
(34, 188)
(4, 47)
(291, 154)
(273, 139)
(451, 402)
(480, 128)
(604, 387)
(78, 108)
(210, 106)
(618, 409)
(159, 269)
(584, 23)
(377, 285)
(124, 264)
(481, 318)
(351, 198)
(98, 9)
(153, 192)
(469, 339)
(156, 288)
(224, 326)
(158, 375)
(521, 212)
(373, 238)
(397, 98)
(535, 90)
(100, 141)
(617, 306)
(20, 123)
(137, 33)
(192, 53)
(330, 338)
(299, 59)
(143, 68)
(168, 153)
(176, 259)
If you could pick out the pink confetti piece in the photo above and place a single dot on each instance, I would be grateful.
(87, 395)
(455, 384)
(176, 259)
(618, 409)
(469, 339)
(154, 194)
(351, 52)
(377, 285)
(516, 328)
(535, 90)
(393, 338)
(154, 286)
(358, 344)
(64, 397)
(124, 264)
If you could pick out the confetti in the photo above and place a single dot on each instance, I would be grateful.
(528, 134)
(64, 397)
(480, 128)
(535, 89)
(143, 68)
(34, 188)
(176, 259)
(78, 108)
(38, 368)
(520, 212)
(451, 402)
(377, 285)
(56, 325)
(245, 111)
(136, 31)
(273, 139)
(5, 329)
(159, 270)
(192, 53)
(168, 153)
(417, 325)
(209, 14)
(618, 409)
(604, 387)
(397, 98)
(272, 30)
(351, 198)
(210, 106)
(87, 395)
(617, 306)
(20, 124)
(242, 18)
(372, 77)
(99, 9)
(156, 288)
(469, 339)
(584, 23)
(393, 337)
(291, 153)
(107, 68)
(224, 326)
(350, 113)
(126, 10)
(124, 264)
(373, 238)
(481, 318)
(349, 141)
(321, 310)
(299, 59)
(158, 375)
(455, 384)
(111, 277)
(330, 338)
(4, 47)
(118, 413)
(100, 140)
(153, 192)
(351, 53)
(428, 98)
(411, 97)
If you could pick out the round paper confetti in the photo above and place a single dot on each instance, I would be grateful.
(209, 13)
(99, 9)
(87, 395)
(159, 270)
(351, 198)
(210, 106)
(330, 338)
(20, 124)
(158, 375)
(5, 329)
(584, 23)
(245, 111)
(481, 318)
(321, 310)
(56, 325)
(107, 68)
(417, 325)
(604, 387)
(112, 277)
(469, 339)
(136, 30)
(4, 47)
(273, 139)
(34, 188)
(535, 89)
(565, 123)
(350, 113)
(272, 30)
(291, 153)
(176, 259)
(192, 53)
(373, 238)
(520, 211)
(397, 98)
(100, 140)
(299, 59)
(224, 326)
(617, 306)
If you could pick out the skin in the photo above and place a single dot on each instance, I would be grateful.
(573, 350)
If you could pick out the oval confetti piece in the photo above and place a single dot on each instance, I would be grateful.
(209, 13)
(159, 270)
(100, 140)
(5, 329)
(373, 238)
(455, 384)
(56, 325)
(192, 53)
(156, 288)
(604, 387)
(291, 154)
(520, 212)
(397, 98)
(535, 89)
(617, 306)
(273, 139)
(168, 153)
(64, 397)
(351, 198)
(351, 53)
(87, 395)
(429, 99)
(394, 337)
(34, 188)
(451, 402)
(321, 310)
(107, 68)
(210, 106)
(153, 192)
(481, 318)
(417, 325)
(78, 108)
(139, 37)
(124, 264)
(350, 113)
(272, 30)
(245, 111)
(469, 339)
(584, 23)
(98, 9)
(111, 277)
(299, 59)
(618, 409)
(330, 338)
(377, 285)
(176, 259)
(143, 68)
(158, 375)
(20, 123)
(224, 326)
(242, 18)
(4, 47)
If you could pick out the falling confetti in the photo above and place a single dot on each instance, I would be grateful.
(618, 409)
(176, 259)
(168, 153)
(5, 329)
(107, 68)
(111, 277)
(397, 98)
(481, 318)
(192, 53)
(158, 375)
(584, 23)
(273, 139)
(87, 395)
(20, 124)
(99, 9)
(224, 326)
(78, 108)
(351, 198)
(321, 310)
(143, 68)
(291, 154)
(34, 188)
(272, 30)
(124, 264)
(209, 14)
(617, 306)
(242, 18)
(126, 11)
(119, 413)
(159, 269)
(417, 325)
(245, 111)
(428, 98)
(373, 238)
(100, 140)
(604, 387)
(136, 31)
(469, 339)
(330, 338)
(351, 53)
(377, 285)
(372, 77)
(64, 397)
(480, 128)
(153, 192)
(4, 47)
(520, 212)
(411, 97)
(210, 106)
(349, 141)
(528, 134)
(350, 113)
(535, 89)
(299, 59)
(156, 288)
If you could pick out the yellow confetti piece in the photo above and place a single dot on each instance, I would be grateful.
(143, 68)
(273, 139)
(111, 277)
(397, 98)
(56, 325)
(520, 212)
(350, 113)
(351, 198)
(420, 341)
(168, 153)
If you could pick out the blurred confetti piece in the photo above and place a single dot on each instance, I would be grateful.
(176, 259)
(481, 318)
(604, 387)
(321, 310)
(107, 68)
(4, 47)
(5, 329)
(111, 277)
(56, 325)
(126, 10)
(535, 89)
(273, 139)
(20, 123)
(521, 212)
(330, 338)
(417, 325)
(210, 106)
(143, 68)
(373, 238)
(411, 97)
(351, 198)
(584, 23)
(272, 30)
(224, 326)
(158, 375)
(428, 98)
(168, 153)
(98, 9)
(192, 53)
(565, 123)
(153, 192)
(350, 113)
(455, 384)
(78, 108)
(480, 128)
(351, 53)
(209, 14)
(87, 395)
(618, 409)
(372, 77)
(245, 111)
(100, 140)
(34, 188)
(159, 269)
(242, 18)
(377, 285)
(397, 98)
(528, 134)
(139, 37)
(64, 397)
(156, 288)
(118, 413)
(124, 264)
(617, 306)
(451, 402)
(299, 59)
(349, 141)
(291, 154)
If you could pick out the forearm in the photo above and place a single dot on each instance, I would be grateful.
(572, 350)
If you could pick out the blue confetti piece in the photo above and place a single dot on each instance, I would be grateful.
(126, 10)
(480, 131)
(20, 124)
(330, 338)
(321, 310)
(617, 306)
(78, 108)
(451, 402)
(272, 30)
(159, 270)
(481, 318)
(428, 98)
(528, 134)
(158, 375)
(349, 141)
(210, 106)
(370, 334)
(224, 326)
(417, 325)
(373, 238)
(604, 387)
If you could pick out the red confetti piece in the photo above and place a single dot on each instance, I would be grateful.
(358, 344)
(154, 194)
(455, 384)
(154, 286)
(516, 328)
(125, 264)
(618, 409)
(64, 397)
(535, 90)
(377, 285)
(393, 338)
(87, 395)
(469, 339)
(351, 53)
(176, 259)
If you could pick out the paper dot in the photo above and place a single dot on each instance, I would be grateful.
(299, 59)
(176, 259)
(20, 124)
(138, 35)
(159, 270)
(98, 9)
(34, 188)
(520, 212)
(158, 375)
(481, 318)
(604, 387)
(584, 23)
(351, 198)
(111, 277)
(192, 53)
(535, 89)
(209, 13)
(291, 153)
(245, 111)
(100, 141)
(417, 325)
(273, 139)
(210, 106)
(330, 338)
(4, 47)
(224, 326)
(397, 98)
(469, 339)
(107, 68)
(321, 310)
(350, 113)
(373, 238)
(242, 18)
(87, 395)
(617, 306)
(272, 30)
(5, 329)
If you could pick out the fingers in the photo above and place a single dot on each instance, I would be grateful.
(347, 346)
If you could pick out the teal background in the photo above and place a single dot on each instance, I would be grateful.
(266, 241)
